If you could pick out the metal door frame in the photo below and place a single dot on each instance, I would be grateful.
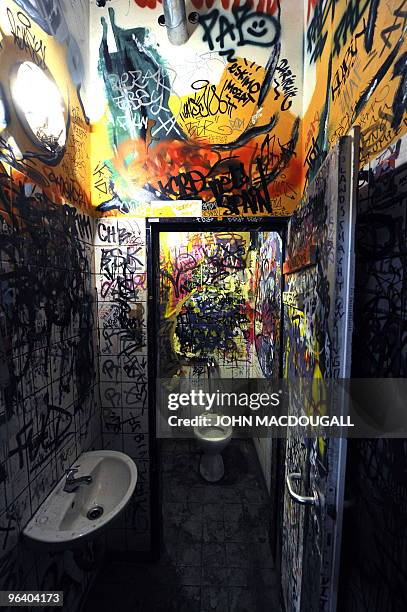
(198, 224)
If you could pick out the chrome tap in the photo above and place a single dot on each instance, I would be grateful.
(72, 483)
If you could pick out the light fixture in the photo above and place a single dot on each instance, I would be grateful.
(173, 241)
(39, 107)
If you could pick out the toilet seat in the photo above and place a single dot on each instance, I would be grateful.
(213, 432)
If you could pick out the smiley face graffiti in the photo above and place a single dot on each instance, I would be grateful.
(243, 27)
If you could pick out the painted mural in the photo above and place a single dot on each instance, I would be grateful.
(216, 120)
(220, 301)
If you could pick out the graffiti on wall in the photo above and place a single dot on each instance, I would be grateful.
(317, 311)
(48, 408)
(220, 301)
(381, 267)
(233, 142)
(46, 304)
(64, 173)
(121, 284)
(357, 54)
(162, 137)
(267, 304)
(204, 296)
(174, 131)
(372, 574)
(65, 20)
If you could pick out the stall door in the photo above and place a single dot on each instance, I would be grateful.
(318, 274)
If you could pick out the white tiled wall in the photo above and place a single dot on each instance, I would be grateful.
(120, 260)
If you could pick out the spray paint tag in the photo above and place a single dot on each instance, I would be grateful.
(4, 369)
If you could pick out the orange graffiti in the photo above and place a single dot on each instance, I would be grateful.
(137, 163)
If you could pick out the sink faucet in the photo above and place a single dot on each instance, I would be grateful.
(72, 483)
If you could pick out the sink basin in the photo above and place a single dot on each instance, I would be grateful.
(66, 518)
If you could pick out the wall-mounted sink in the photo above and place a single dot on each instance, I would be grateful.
(67, 518)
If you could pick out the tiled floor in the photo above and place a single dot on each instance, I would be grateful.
(216, 555)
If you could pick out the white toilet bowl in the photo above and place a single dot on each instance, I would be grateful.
(212, 438)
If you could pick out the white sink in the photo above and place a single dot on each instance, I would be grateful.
(63, 517)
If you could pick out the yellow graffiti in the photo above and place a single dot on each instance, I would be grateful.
(218, 114)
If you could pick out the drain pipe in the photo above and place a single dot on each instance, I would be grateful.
(176, 21)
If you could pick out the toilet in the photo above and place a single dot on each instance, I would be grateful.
(212, 439)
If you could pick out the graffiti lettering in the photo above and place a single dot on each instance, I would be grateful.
(246, 27)
(102, 174)
(120, 262)
(285, 80)
(55, 429)
(324, 12)
(68, 189)
(25, 39)
(207, 102)
(246, 79)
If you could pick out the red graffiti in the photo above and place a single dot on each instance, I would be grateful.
(140, 164)
(311, 5)
(263, 6)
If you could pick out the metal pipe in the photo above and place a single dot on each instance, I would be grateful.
(176, 21)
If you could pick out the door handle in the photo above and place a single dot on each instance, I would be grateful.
(303, 500)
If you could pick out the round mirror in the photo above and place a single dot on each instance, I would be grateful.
(39, 106)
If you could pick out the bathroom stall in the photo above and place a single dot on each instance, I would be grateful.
(245, 301)
(218, 302)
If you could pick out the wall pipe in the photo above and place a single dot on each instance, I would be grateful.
(176, 21)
